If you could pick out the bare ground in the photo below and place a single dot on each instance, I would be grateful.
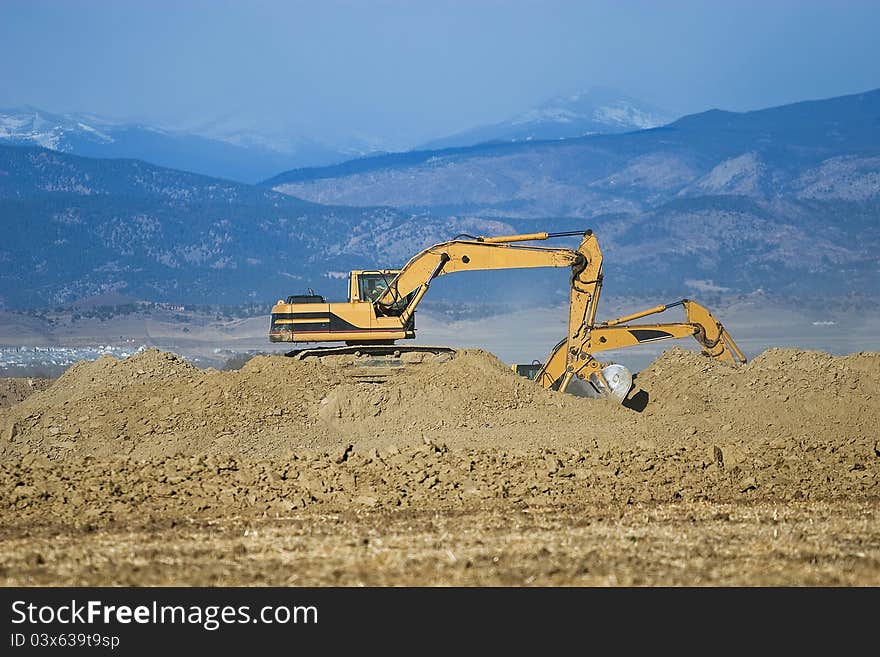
(147, 471)
(684, 543)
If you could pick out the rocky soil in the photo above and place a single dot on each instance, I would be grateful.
(13, 391)
(405, 473)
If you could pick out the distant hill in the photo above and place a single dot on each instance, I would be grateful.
(786, 197)
(77, 227)
(782, 201)
(600, 110)
(805, 150)
(229, 156)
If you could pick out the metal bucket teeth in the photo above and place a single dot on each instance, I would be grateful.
(615, 383)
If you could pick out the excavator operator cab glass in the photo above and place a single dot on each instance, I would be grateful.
(371, 286)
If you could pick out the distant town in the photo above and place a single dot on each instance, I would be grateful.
(50, 362)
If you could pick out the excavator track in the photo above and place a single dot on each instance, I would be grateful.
(373, 364)
(369, 350)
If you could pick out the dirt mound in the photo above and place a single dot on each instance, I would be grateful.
(154, 404)
(791, 423)
(13, 391)
(782, 395)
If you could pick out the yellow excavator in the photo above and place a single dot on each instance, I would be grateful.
(382, 303)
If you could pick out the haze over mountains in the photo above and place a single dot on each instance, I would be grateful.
(600, 110)
(232, 154)
(784, 200)
(226, 148)
(777, 152)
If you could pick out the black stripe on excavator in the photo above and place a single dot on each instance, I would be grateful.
(648, 335)
(333, 323)
(301, 328)
(296, 327)
(299, 315)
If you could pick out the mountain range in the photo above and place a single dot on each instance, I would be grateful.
(76, 227)
(225, 148)
(232, 155)
(784, 152)
(784, 200)
(786, 197)
(600, 110)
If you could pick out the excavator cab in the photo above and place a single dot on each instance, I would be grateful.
(369, 286)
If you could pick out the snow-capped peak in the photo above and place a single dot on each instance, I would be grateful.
(28, 125)
(607, 108)
(598, 111)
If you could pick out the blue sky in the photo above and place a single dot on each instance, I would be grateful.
(409, 71)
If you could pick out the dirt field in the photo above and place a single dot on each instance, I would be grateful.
(447, 471)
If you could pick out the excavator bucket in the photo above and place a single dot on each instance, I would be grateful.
(614, 383)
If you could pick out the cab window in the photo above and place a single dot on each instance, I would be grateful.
(371, 286)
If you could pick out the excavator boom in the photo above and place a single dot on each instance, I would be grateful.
(382, 303)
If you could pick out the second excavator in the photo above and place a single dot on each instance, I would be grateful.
(382, 303)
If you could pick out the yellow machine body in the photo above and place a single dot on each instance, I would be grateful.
(309, 318)
(381, 310)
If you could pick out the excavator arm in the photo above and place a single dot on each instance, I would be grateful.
(473, 254)
(573, 367)
(713, 338)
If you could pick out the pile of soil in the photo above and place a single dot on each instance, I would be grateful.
(155, 404)
(13, 391)
(115, 439)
